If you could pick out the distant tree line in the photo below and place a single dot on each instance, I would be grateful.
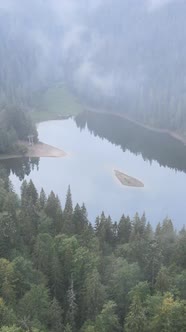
(129, 136)
(58, 272)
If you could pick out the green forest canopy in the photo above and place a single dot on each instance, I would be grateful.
(59, 273)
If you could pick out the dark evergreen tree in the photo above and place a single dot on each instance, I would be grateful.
(42, 199)
(54, 211)
(68, 213)
(124, 229)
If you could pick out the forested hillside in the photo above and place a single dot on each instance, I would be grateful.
(15, 126)
(122, 56)
(59, 273)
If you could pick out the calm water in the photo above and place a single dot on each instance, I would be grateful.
(98, 144)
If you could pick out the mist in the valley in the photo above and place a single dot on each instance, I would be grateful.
(122, 55)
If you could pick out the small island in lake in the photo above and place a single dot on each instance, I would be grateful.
(127, 180)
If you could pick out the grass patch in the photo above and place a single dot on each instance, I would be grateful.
(56, 103)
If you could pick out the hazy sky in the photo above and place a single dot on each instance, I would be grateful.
(84, 39)
(156, 4)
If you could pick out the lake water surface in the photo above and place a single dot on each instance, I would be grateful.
(98, 144)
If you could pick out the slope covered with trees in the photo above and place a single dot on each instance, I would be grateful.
(140, 63)
(15, 125)
(122, 56)
(59, 273)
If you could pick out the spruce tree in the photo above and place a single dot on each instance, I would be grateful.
(68, 213)
(42, 199)
(54, 211)
(124, 229)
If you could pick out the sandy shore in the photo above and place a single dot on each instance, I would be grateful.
(38, 150)
(44, 150)
(127, 180)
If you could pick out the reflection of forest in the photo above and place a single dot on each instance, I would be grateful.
(20, 166)
(162, 148)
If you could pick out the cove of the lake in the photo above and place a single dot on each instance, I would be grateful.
(96, 145)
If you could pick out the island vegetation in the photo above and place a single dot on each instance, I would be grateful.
(58, 272)
(127, 180)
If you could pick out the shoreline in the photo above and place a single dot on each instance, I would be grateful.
(38, 150)
(44, 150)
(173, 134)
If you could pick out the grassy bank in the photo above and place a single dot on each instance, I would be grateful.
(55, 103)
